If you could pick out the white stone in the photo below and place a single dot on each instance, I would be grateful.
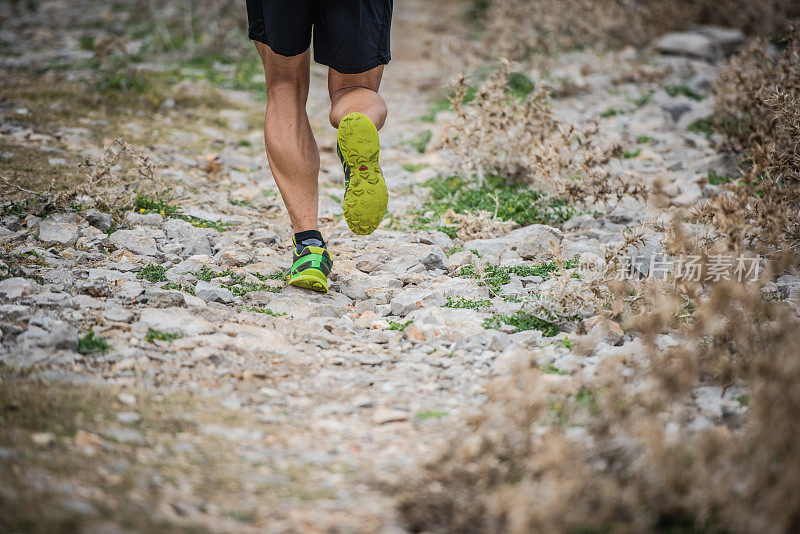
(58, 233)
(139, 241)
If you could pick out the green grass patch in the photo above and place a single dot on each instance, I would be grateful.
(586, 398)
(454, 250)
(244, 516)
(157, 335)
(630, 154)
(240, 288)
(262, 310)
(443, 104)
(684, 90)
(11, 271)
(519, 85)
(173, 286)
(415, 167)
(523, 320)
(14, 209)
(277, 275)
(237, 283)
(610, 112)
(703, 126)
(92, 343)
(496, 276)
(718, 179)
(243, 74)
(148, 205)
(643, 99)
(237, 202)
(644, 139)
(152, 273)
(550, 369)
(467, 304)
(206, 274)
(86, 42)
(430, 414)
(399, 326)
(420, 141)
(515, 201)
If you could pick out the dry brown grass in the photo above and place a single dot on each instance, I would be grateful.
(757, 109)
(619, 452)
(628, 449)
(520, 28)
(521, 140)
(112, 183)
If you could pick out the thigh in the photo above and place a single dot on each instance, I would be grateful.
(283, 25)
(352, 36)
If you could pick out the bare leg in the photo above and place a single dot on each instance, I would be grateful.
(352, 93)
(291, 148)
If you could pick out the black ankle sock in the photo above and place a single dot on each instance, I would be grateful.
(312, 238)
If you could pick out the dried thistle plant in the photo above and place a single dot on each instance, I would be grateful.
(496, 134)
(623, 449)
(481, 225)
(107, 186)
(757, 109)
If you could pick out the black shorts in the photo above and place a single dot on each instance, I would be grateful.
(350, 36)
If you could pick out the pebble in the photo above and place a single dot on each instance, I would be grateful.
(213, 293)
(42, 439)
(385, 415)
(127, 399)
(128, 418)
(123, 435)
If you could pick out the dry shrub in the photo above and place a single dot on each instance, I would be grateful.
(622, 453)
(624, 449)
(481, 225)
(108, 185)
(519, 28)
(757, 109)
(496, 134)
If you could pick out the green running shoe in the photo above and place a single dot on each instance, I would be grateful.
(310, 268)
(365, 195)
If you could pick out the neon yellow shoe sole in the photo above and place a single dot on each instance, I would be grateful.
(365, 196)
(310, 279)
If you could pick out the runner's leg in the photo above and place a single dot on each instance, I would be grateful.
(291, 148)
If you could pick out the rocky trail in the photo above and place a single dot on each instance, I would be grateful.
(224, 401)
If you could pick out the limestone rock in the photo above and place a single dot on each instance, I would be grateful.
(213, 293)
(139, 241)
(58, 233)
(14, 288)
(98, 219)
(414, 298)
(194, 240)
(175, 321)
